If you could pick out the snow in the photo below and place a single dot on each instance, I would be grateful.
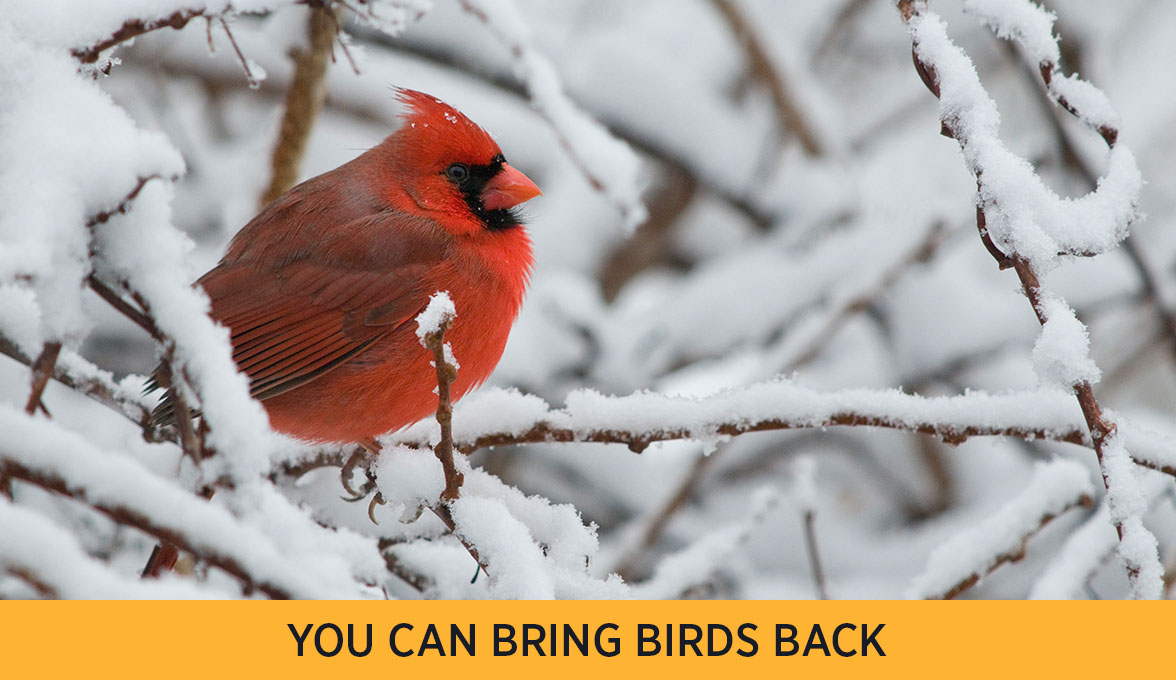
(439, 312)
(1126, 505)
(1026, 22)
(408, 478)
(1061, 355)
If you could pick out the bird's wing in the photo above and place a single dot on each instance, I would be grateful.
(296, 312)
(309, 317)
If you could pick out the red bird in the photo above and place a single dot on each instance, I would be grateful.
(320, 290)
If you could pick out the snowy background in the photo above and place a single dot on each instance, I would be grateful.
(750, 221)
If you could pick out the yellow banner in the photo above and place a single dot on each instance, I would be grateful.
(583, 639)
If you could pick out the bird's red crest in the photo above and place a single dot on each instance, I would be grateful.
(438, 126)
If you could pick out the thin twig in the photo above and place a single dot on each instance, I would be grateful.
(46, 591)
(446, 374)
(416, 580)
(136, 27)
(125, 308)
(249, 77)
(810, 542)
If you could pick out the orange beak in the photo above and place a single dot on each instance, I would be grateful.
(507, 189)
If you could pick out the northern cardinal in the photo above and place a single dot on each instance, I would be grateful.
(320, 290)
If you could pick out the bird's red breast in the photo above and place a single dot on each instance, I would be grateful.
(321, 289)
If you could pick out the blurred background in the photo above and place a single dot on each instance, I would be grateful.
(805, 218)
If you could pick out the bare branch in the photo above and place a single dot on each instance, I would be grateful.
(304, 99)
(136, 27)
(810, 542)
(788, 113)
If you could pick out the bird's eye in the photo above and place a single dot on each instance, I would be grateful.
(457, 172)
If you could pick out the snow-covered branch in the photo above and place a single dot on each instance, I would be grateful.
(969, 555)
(1025, 224)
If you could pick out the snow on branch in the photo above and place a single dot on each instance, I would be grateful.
(608, 164)
(1031, 26)
(1087, 548)
(41, 553)
(134, 27)
(1026, 226)
(431, 327)
(63, 462)
(497, 417)
(500, 417)
(965, 558)
(1023, 217)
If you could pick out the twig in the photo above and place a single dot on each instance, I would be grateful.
(416, 580)
(42, 371)
(432, 324)
(124, 205)
(249, 77)
(101, 389)
(136, 27)
(304, 100)
(810, 542)
(788, 114)
(125, 308)
(46, 591)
